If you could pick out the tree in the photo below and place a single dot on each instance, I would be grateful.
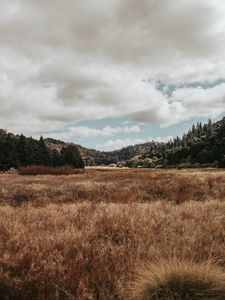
(45, 158)
(56, 158)
(23, 151)
(71, 156)
(89, 161)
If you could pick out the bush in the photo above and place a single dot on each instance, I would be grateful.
(71, 156)
(42, 170)
(175, 280)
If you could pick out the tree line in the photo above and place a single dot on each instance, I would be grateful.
(20, 151)
(202, 145)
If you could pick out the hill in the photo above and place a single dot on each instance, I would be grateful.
(96, 157)
(202, 146)
(90, 156)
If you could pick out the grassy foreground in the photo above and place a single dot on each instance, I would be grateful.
(85, 236)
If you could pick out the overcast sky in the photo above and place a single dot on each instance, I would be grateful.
(110, 73)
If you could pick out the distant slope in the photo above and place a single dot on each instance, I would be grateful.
(102, 157)
(202, 145)
(58, 145)
(84, 152)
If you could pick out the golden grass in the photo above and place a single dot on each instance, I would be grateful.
(113, 186)
(84, 236)
(179, 280)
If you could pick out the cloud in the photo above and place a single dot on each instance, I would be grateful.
(62, 62)
(121, 143)
(89, 132)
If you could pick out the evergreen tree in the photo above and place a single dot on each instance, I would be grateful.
(56, 158)
(18, 151)
(45, 157)
(71, 156)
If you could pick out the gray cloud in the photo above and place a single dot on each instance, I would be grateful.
(68, 61)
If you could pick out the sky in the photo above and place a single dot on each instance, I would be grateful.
(107, 74)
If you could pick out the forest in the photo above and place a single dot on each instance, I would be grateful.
(203, 145)
(18, 151)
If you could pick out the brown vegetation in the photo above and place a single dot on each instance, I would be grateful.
(84, 236)
(43, 170)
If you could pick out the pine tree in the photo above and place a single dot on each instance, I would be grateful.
(71, 156)
(45, 158)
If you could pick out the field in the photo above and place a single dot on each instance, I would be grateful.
(85, 236)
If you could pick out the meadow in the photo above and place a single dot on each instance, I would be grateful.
(87, 236)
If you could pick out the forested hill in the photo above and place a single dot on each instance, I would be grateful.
(203, 145)
(17, 151)
(94, 157)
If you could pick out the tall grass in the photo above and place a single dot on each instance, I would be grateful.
(83, 237)
(43, 170)
(122, 186)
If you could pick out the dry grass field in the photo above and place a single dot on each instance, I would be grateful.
(86, 236)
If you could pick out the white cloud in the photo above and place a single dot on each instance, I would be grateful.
(121, 143)
(89, 132)
(86, 132)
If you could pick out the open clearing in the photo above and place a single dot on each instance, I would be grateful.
(84, 236)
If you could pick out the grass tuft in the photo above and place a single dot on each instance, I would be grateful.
(177, 280)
